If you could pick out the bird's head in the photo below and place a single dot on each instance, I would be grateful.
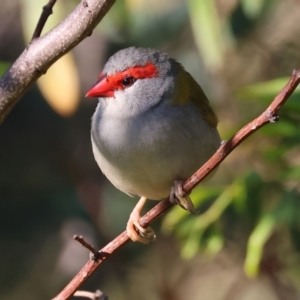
(137, 79)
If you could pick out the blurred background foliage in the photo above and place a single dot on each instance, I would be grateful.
(245, 243)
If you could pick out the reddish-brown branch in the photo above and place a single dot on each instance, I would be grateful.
(47, 11)
(268, 116)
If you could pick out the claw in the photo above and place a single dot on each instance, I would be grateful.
(179, 197)
(143, 235)
(135, 231)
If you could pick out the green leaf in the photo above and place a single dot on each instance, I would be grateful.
(4, 67)
(252, 8)
(292, 173)
(275, 152)
(215, 244)
(183, 229)
(191, 245)
(262, 90)
(256, 243)
(266, 91)
(282, 128)
(199, 195)
(207, 31)
(205, 220)
(287, 210)
(250, 205)
(217, 208)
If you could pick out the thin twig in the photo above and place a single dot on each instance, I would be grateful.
(47, 11)
(85, 244)
(98, 295)
(268, 116)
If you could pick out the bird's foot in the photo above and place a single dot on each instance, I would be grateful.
(178, 196)
(135, 231)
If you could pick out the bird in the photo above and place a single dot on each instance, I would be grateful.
(152, 129)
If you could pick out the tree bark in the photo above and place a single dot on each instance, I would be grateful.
(42, 52)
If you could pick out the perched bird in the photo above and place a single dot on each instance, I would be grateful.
(152, 129)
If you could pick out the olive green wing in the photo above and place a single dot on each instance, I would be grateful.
(187, 89)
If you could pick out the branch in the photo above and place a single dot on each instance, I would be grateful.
(85, 244)
(268, 116)
(42, 52)
(47, 11)
(98, 295)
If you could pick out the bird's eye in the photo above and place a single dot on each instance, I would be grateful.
(128, 81)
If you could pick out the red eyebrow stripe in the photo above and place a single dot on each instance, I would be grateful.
(138, 72)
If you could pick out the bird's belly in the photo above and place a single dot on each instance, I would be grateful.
(134, 176)
(145, 160)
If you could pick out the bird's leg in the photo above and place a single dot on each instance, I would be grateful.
(178, 196)
(143, 235)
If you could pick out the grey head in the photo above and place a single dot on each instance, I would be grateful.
(132, 56)
(151, 77)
